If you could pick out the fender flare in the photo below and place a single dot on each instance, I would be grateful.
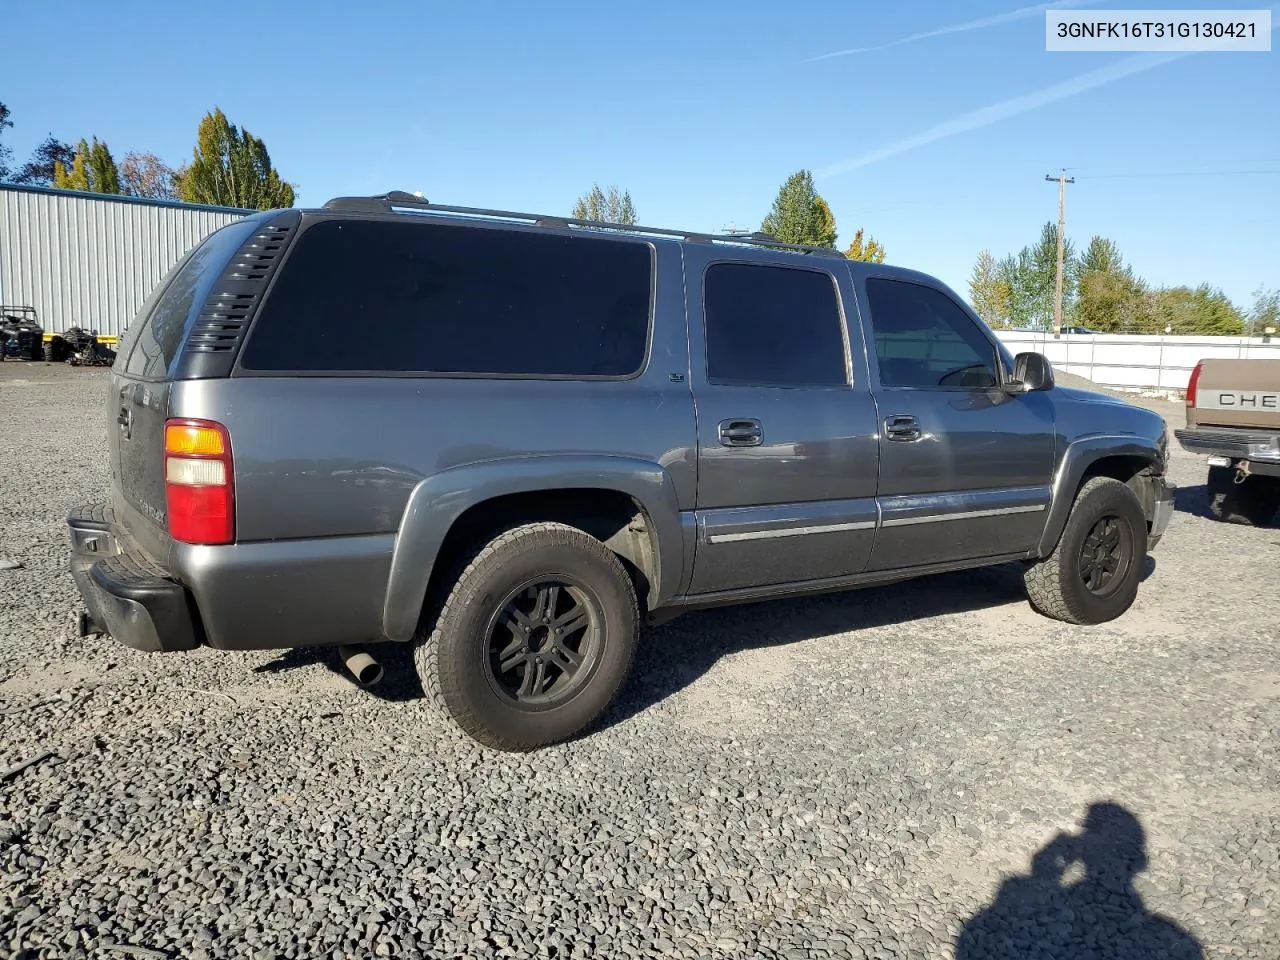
(1080, 455)
(436, 502)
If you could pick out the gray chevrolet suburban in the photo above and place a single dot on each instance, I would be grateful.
(509, 439)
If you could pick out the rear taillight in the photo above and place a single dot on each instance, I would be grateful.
(1191, 384)
(199, 486)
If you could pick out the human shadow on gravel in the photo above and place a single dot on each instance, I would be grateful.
(1048, 915)
(673, 656)
(399, 684)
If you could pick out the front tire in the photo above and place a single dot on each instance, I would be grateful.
(1093, 573)
(535, 639)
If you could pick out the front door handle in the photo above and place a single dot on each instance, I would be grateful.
(741, 433)
(901, 427)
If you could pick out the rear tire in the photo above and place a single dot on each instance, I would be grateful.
(1252, 503)
(1093, 573)
(535, 639)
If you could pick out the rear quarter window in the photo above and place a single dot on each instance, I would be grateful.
(374, 296)
(163, 321)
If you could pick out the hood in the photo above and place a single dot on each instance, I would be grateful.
(1090, 396)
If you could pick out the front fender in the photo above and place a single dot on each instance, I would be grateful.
(1080, 455)
(437, 501)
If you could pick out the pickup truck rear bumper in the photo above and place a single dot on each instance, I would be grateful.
(126, 594)
(1260, 447)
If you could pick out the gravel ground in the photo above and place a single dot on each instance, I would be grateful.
(925, 770)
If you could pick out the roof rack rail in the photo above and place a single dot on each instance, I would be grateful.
(388, 202)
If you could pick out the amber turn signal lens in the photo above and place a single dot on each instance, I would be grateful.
(182, 438)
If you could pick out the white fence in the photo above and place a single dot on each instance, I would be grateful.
(1131, 361)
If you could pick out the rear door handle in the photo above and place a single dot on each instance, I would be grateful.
(901, 427)
(125, 419)
(741, 433)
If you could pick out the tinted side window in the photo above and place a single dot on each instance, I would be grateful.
(924, 339)
(432, 298)
(773, 326)
(161, 330)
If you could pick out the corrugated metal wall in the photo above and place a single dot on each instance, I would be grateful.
(89, 261)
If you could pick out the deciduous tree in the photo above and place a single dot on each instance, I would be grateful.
(989, 291)
(1203, 310)
(39, 170)
(146, 175)
(867, 250)
(1265, 312)
(230, 167)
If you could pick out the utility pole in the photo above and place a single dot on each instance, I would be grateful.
(1063, 180)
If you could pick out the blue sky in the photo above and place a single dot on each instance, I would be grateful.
(701, 109)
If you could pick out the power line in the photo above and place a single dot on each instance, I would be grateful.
(1190, 173)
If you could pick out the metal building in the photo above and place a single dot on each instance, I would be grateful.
(89, 259)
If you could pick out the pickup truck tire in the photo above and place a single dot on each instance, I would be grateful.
(1253, 502)
(535, 639)
(1093, 573)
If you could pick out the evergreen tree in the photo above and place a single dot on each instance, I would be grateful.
(800, 215)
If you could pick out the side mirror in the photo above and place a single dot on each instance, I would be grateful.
(1031, 372)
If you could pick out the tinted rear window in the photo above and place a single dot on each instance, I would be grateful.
(773, 326)
(163, 328)
(379, 296)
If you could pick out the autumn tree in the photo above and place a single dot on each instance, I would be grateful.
(989, 291)
(867, 250)
(605, 206)
(800, 215)
(231, 168)
(146, 175)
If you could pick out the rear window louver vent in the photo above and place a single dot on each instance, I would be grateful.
(220, 325)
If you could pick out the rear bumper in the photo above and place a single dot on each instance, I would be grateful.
(126, 594)
(1260, 447)
(244, 596)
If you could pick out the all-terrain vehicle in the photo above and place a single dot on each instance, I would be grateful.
(21, 336)
(80, 348)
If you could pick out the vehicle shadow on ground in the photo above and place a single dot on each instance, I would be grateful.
(399, 685)
(676, 655)
(1195, 501)
(1078, 900)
